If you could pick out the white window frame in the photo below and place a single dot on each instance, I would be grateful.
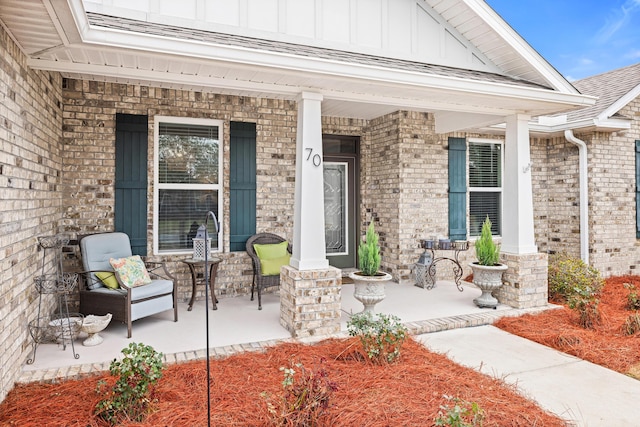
(158, 186)
(484, 189)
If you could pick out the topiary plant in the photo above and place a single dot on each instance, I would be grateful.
(369, 253)
(487, 252)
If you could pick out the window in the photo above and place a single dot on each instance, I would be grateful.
(485, 185)
(188, 171)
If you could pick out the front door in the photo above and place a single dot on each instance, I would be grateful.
(340, 200)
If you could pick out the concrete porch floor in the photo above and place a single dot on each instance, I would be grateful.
(238, 326)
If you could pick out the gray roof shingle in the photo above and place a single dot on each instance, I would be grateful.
(609, 87)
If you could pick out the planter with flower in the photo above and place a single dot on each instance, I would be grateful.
(487, 271)
(369, 282)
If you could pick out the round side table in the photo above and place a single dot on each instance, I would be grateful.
(194, 265)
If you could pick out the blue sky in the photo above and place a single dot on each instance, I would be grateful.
(580, 38)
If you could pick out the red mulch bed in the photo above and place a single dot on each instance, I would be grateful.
(407, 393)
(605, 345)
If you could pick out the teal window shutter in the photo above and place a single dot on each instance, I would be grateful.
(130, 210)
(637, 188)
(457, 189)
(242, 186)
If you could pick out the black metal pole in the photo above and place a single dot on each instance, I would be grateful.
(206, 304)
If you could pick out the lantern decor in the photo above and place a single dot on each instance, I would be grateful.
(201, 244)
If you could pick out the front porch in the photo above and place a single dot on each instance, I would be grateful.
(239, 326)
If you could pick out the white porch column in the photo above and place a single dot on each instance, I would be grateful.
(308, 222)
(517, 221)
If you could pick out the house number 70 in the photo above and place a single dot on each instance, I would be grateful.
(316, 159)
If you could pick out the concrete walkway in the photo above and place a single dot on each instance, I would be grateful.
(580, 392)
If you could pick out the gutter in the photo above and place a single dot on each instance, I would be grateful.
(584, 194)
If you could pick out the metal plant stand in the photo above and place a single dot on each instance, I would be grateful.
(426, 272)
(62, 327)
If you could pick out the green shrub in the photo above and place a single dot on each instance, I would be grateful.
(381, 335)
(303, 402)
(487, 252)
(461, 414)
(585, 302)
(578, 285)
(568, 276)
(130, 397)
(369, 253)
(633, 300)
(631, 324)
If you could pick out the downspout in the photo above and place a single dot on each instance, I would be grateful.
(584, 194)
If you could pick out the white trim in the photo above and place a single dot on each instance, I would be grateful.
(610, 125)
(500, 189)
(619, 104)
(524, 49)
(156, 186)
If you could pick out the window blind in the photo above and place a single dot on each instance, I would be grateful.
(485, 186)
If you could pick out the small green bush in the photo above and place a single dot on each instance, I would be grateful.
(487, 252)
(633, 300)
(631, 324)
(381, 335)
(369, 253)
(578, 285)
(585, 302)
(569, 275)
(461, 414)
(130, 397)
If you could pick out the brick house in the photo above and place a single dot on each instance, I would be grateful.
(414, 110)
(586, 194)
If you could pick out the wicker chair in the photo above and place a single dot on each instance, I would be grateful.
(259, 281)
(125, 304)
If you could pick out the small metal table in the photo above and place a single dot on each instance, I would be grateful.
(456, 246)
(195, 264)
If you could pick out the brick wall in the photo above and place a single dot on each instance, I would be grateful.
(556, 195)
(379, 185)
(30, 171)
(612, 182)
(89, 143)
(423, 203)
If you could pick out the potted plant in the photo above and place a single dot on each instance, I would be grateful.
(487, 271)
(369, 282)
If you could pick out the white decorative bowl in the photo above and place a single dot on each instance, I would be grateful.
(92, 325)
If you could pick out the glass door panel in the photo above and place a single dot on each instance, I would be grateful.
(336, 210)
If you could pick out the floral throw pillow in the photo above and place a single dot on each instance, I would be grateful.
(131, 270)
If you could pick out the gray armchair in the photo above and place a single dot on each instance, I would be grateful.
(126, 304)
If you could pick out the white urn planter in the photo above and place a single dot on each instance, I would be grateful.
(369, 290)
(488, 278)
(92, 325)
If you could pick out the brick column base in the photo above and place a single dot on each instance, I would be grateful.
(310, 301)
(525, 281)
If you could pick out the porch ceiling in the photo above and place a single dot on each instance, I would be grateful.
(59, 35)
